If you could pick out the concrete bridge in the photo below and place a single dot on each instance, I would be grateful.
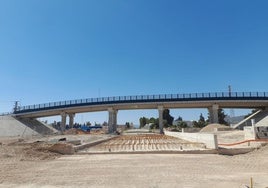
(211, 101)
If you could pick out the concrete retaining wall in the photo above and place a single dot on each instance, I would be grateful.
(250, 133)
(256, 132)
(262, 132)
(10, 127)
(190, 130)
(210, 140)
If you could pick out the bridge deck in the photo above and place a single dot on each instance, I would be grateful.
(193, 100)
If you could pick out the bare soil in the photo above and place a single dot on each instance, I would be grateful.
(31, 165)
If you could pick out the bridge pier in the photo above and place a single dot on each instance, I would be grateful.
(160, 112)
(71, 120)
(63, 121)
(213, 113)
(112, 122)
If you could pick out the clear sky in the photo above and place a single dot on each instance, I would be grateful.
(53, 50)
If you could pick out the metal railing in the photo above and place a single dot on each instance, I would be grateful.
(148, 98)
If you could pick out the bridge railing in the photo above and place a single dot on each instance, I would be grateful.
(188, 96)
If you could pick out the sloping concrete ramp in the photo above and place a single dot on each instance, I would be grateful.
(260, 117)
(37, 126)
(246, 121)
(12, 127)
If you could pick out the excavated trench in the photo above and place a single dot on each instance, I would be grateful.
(142, 143)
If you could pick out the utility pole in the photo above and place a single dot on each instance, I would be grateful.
(230, 90)
(16, 106)
(232, 113)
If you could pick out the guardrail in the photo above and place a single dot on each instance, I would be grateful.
(148, 98)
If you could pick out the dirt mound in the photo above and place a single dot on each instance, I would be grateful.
(74, 131)
(62, 148)
(27, 151)
(211, 127)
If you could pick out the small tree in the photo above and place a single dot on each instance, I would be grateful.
(104, 123)
(221, 117)
(181, 123)
(127, 125)
(179, 118)
(201, 122)
(143, 121)
(169, 119)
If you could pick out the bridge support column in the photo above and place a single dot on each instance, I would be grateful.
(63, 121)
(112, 123)
(213, 113)
(160, 112)
(71, 120)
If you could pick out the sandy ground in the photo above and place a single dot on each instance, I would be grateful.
(31, 165)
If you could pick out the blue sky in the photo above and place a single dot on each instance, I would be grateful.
(53, 50)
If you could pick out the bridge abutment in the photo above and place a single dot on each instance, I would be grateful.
(112, 123)
(213, 113)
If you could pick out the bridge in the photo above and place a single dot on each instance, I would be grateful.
(211, 101)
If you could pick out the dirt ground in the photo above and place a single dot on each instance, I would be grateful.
(31, 165)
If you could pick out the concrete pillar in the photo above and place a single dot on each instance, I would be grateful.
(63, 121)
(71, 120)
(112, 122)
(254, 131)
(213, 113)
(160, 112)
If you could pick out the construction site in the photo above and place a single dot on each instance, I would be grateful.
(33, 154)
